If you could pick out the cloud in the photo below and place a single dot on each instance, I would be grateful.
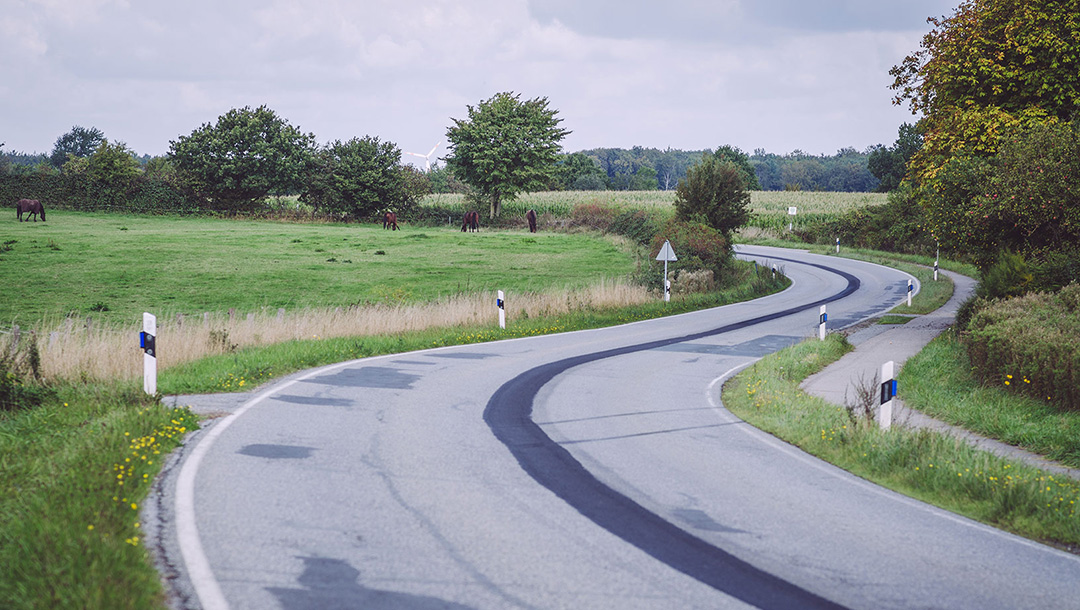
(685, 74)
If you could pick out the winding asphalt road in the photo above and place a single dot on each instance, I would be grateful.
(595, 469)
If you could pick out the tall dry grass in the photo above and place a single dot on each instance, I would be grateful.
(71, 351)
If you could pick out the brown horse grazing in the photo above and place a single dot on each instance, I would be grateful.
(531, 217)
(389, 221)
(471, 222)
(31, 207)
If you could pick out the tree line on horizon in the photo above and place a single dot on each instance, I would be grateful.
(603, 168)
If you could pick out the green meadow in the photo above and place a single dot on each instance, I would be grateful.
(115, 267)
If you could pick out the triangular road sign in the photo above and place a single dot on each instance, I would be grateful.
(666, 253)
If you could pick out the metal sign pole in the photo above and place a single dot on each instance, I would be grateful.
(666, 254)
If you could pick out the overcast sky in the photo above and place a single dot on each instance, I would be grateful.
(689, 74)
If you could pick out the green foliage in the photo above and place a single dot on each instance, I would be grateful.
(1036, 186)
(897, 226)
(112, 170)
(506, 146)
(958, 213)
(443, 180)
(697, 246)
(641, 226)
(579, 172)
(846, 171)
(742, 160)
(889, 165)
(1023, 198)
(716, 192)
(1052, 271)
(1008, 277)
(990, 67)
(1028, 344)
(79, 142)
(357, 179)
(20, 374)
(245, 156)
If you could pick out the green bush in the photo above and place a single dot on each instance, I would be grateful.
(897, 226)
(697, 246)
(1028, 344)
(592, 215)
(638, 225)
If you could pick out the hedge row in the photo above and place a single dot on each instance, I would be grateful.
(147, 194)
(1029, 344)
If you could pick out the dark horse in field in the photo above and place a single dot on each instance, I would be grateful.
(389, 221)
(30, 207)
(531, 217)
(471, 222)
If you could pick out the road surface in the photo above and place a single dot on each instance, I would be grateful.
(595, 469)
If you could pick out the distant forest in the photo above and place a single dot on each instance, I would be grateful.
(641, 168)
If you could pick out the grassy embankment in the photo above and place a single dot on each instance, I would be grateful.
(76, 468)
(927, 465)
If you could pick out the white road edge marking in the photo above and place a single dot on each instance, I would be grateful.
(202, 578)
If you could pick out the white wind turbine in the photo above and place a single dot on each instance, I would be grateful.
(427, 157)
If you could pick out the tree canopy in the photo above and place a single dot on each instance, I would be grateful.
(998, 83)
(742, 160)
(889, 164)
(714, 192)
(80, 142)
(242, 158)
(356, 178)
(993, 66)
(506, 146)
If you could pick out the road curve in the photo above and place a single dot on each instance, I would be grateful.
(585, 470)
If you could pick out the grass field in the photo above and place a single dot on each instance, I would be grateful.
(114, 267)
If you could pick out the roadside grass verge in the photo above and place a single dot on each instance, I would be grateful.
(925, 465)
(244, 368)
(939, 382)
(75, 472)
(77, 468)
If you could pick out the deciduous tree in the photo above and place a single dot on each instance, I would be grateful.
(356, 178)
(742, 160)
(993, 66)
(79, 142)
(506, 146)
(714, 192)
(889, 164)
(245, 156)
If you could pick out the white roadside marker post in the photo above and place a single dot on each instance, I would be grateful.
(502, 309)
(888, 392)
(838, 245)
(910, 289)
(822, 318)
(667, 254)
(937, 256)
(148, 343)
